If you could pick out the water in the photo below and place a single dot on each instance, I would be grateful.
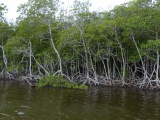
(20, 102)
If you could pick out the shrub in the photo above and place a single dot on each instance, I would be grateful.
(59, 81)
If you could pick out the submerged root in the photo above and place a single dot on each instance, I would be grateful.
(30, 79)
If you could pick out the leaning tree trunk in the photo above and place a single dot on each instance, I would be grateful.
(146, 78)
(55, 49)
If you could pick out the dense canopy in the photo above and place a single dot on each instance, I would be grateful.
(116, 47)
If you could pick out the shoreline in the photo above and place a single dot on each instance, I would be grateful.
(33, 83)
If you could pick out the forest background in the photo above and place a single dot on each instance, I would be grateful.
(116, 47)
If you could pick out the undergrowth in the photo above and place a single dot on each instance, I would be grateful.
(59, 81)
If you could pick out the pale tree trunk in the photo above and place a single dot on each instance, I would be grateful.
(81, 28)
(109, 72)
(86, 56)
(113, 72)
(4, 57)
(10, 76)
(30, 58)
(123, 59)
(105, 70)
(40, 65)
(146, 78)
(157, 70)
(55, 49)
(60, 71)
(94, 70)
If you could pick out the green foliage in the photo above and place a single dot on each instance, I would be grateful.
(82, 38)
(151, 44)
(2, 11)
(58, 81)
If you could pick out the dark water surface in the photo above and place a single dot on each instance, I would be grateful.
(20, 102)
